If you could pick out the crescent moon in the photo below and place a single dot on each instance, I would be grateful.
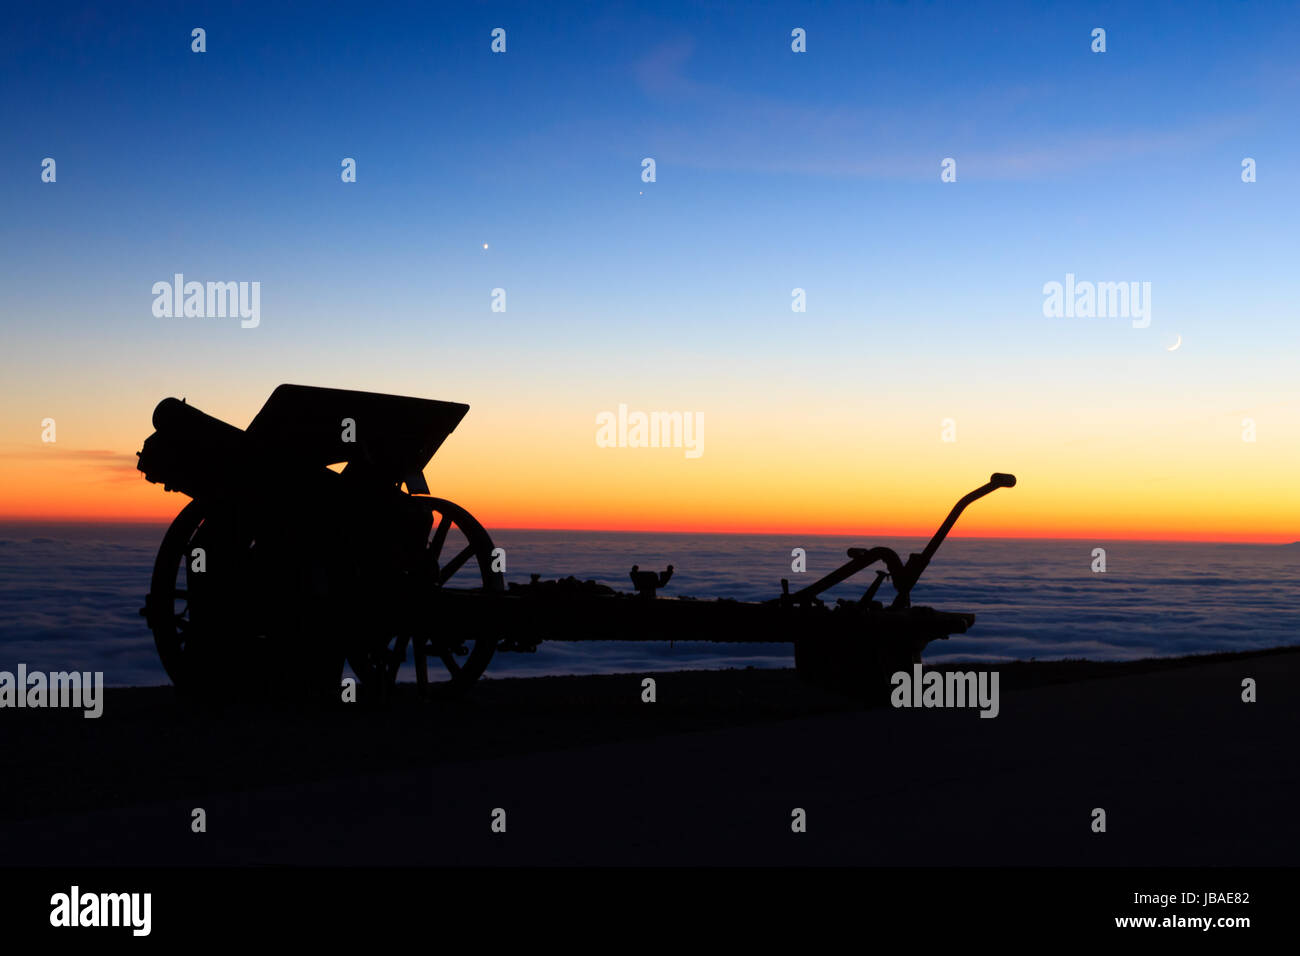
(1174, 347)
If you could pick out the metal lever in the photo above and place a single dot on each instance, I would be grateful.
(917, 563)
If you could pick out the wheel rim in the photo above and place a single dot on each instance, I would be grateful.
(171, 624)
(456, 536)
(181, 636)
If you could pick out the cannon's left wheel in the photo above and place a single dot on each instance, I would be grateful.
(167, 606)
(213, 630)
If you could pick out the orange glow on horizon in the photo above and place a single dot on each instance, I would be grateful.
(765, 469)
(90, 491)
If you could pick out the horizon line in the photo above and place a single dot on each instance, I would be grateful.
(161, 522)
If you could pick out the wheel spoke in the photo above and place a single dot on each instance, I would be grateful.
(421, 663)
(473, 654)
(455, 564)
(439, 537)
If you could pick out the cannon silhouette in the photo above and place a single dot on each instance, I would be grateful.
(312, 540)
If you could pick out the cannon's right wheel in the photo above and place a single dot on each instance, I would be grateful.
(458, 545)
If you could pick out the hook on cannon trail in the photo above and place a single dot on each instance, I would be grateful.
(904, 576)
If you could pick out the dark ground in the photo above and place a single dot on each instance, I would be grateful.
(1187, 773)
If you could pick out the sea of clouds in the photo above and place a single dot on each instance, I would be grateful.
(70, 596)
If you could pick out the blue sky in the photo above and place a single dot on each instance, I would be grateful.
(775, 169)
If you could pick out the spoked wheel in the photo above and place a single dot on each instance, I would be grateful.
(229, 623)
(253, 620)
(167, 607)
(459, 555)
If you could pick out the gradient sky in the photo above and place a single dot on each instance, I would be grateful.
(775, 170)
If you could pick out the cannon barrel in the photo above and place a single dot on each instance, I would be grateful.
(300, 430)
(204, 457)
(275, 478)
(193, 452)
